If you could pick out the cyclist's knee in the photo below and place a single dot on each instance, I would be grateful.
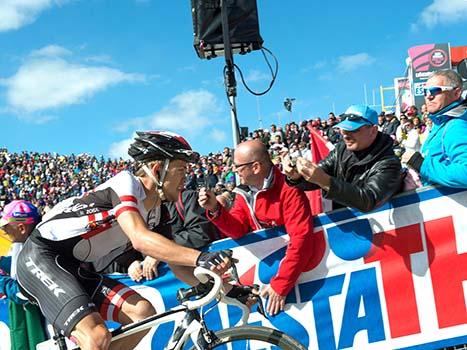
(143, 309)
(91, 333)
(136, 310)
(96, 338)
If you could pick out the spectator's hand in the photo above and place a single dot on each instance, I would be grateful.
(223, 200)
(135, 271)
(276, 302)
(207, 199)
(289, 170)
(313, 173)
(150, 268)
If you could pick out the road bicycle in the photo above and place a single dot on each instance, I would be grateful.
(191, 331)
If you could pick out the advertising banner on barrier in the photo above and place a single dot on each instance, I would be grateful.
(390, 279)
(425, 60)
(403, 92)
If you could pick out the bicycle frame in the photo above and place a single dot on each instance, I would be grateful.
(188, 312)
(188, 322)
(181, 332)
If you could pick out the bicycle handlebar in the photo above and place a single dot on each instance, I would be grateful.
(203, 274)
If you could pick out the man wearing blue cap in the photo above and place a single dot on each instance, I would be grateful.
(362, 172)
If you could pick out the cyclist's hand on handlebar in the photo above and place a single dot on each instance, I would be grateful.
(248, 295)
(218, 262)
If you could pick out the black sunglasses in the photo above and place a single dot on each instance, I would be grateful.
(236, 166)
(353, 117)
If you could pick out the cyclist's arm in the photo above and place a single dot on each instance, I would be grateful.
(185, 274)
(153, 244)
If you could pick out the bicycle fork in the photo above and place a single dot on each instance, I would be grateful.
(194, 326)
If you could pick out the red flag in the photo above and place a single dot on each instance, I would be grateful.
(320, 148)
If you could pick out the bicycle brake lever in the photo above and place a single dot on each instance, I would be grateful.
(259, 302)
(235, 273)
(260, 307)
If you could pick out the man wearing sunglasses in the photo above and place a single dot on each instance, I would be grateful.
(362, 172)
(264, 200)
(443, 157)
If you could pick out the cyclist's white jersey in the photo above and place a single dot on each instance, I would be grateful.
(86, 227)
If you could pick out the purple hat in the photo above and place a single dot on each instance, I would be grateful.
(19, 211)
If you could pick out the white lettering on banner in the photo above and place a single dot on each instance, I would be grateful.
(423, 75)
(391, 279)
(381, 275)
(418, 89)
(46, 280)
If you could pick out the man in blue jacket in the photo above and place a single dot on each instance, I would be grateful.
(443, 157)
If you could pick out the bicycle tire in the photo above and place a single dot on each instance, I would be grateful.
(267, 335)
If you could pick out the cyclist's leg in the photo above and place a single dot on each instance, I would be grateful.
(52, 282)
(91, 333)
(133, 309)
(117, 302)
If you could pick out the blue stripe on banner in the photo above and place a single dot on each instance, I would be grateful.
(254, 237)
(402, 200)
(438, 344)
(340, 215)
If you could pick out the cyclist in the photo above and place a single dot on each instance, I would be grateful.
(97, 227)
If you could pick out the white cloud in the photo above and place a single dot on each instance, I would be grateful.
(46, 80)
(443, 12)
(120, 149)
(107, 59)
(218, 135)
(316, 66)
(353, 62)
(18, 13)
(51, 51)
(256, 75)
(190, 113)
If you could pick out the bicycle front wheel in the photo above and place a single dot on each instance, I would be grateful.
(253, 337)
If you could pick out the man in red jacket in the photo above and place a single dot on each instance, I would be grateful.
(264, 200)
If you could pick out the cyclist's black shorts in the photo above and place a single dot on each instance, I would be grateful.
(64, 289)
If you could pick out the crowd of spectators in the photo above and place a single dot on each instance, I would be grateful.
(47, 178)
(409, 131)
(44, 179)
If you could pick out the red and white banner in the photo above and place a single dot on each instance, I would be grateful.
(394, 278)
(320, 148)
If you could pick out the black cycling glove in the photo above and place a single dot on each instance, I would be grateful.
(210, 259)
(244, 294)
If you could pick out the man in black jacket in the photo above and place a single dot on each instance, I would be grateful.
(184, 222)
(391, 124)
(362, 172)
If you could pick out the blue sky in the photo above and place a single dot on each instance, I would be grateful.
(82, 75)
